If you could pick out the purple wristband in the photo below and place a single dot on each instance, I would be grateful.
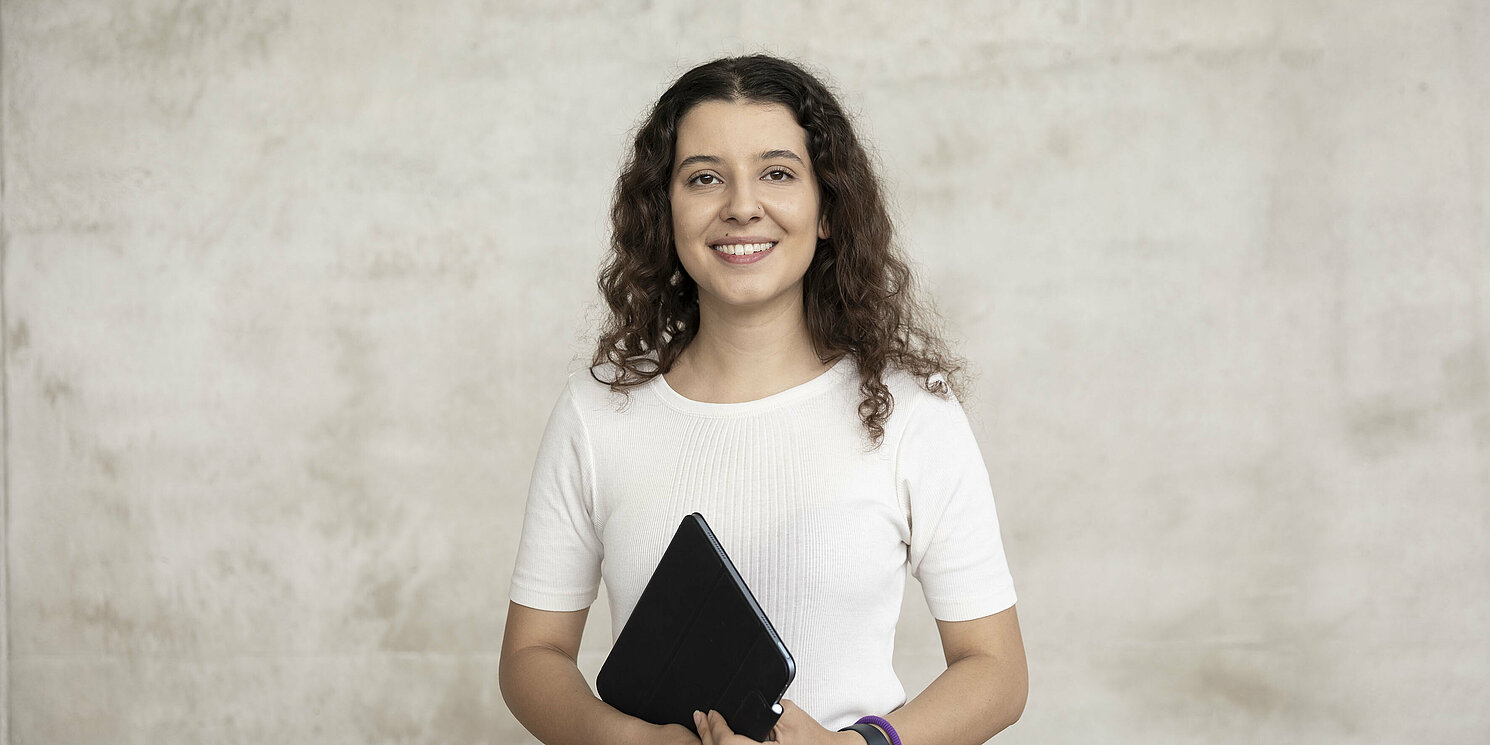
(882, 724)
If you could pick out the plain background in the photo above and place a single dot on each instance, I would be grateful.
(290, 287)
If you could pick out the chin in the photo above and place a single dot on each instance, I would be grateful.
(745, 299)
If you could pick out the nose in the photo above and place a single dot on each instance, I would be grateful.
(741, 204)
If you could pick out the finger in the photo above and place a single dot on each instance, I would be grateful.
(717, 724)
(701, 723)
(789, 713)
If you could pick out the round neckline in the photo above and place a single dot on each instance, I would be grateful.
(796, 393)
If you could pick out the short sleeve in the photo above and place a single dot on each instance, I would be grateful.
(956, 551)
(559, 554)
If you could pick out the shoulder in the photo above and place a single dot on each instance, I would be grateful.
(923, 405)
(913, 391)
(589, 391)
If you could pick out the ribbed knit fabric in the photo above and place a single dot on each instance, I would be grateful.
(822, 528)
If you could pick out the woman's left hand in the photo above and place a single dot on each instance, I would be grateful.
(796, 727)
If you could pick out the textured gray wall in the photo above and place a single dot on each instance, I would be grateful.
(289, 289)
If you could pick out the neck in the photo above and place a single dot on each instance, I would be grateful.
(744, 355)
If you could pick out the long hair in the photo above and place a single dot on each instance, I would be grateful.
(858, 293)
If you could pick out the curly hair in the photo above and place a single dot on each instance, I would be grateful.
(858, 292)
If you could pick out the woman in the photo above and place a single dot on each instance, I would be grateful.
(765, 364)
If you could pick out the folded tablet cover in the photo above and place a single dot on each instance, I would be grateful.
(698, 641)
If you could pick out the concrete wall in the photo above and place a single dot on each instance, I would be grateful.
(289, 288)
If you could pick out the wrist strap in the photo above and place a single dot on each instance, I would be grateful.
(870, 734)
(884, 725)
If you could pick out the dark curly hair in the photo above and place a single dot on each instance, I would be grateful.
(857, 293)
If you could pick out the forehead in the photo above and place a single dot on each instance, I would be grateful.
(738, 129)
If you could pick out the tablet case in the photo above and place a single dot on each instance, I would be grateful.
(696, 641)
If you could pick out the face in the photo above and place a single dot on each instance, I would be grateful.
(745, 205)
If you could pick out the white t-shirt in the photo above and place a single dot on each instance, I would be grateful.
(822, 529)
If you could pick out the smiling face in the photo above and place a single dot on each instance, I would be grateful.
(744, 204)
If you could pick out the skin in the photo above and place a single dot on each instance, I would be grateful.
(752, 342)
(753, 339)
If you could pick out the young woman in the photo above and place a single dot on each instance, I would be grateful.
(766, 365)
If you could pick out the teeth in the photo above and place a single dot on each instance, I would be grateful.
(741, 249)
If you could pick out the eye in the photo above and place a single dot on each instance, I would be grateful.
(772, 175)
(699, 179)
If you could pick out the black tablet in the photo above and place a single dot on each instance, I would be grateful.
(696, 641)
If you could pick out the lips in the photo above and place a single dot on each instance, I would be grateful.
(743, 249)
(743, 253)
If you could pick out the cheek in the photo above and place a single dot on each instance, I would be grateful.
(688, 220)
(799, 212)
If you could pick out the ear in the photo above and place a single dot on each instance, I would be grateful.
(822, 227)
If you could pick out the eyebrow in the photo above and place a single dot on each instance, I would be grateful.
(716, 160)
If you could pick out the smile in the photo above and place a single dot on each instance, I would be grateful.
(743, 249)
(743, 253)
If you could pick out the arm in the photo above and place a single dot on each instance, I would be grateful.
(981, 692)
(958, 556)
(545, 690)
(558, 566)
